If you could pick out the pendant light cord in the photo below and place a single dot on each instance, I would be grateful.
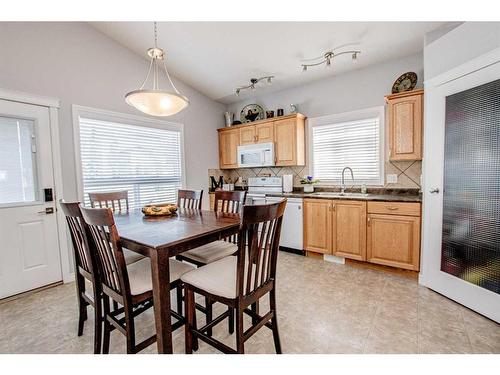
(154, 66)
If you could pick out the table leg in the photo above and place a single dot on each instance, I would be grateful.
(160, 274)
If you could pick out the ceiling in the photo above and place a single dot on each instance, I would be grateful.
(216, 57)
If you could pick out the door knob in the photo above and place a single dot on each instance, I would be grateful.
(48, 210)
(434, 191)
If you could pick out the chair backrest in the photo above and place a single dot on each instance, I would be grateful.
(116, 200)
(229, 201)
(189, 199)
(258, 246)
(108, 251)
(79, 231)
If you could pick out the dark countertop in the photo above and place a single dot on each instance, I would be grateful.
(352, 196)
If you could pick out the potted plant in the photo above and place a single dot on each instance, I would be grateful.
(308, 182)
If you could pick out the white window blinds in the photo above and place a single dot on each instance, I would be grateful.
(143, 160)
(354, 144)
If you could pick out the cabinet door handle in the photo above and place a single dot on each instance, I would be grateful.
(369, 221)
(392, 208)
(333, 207)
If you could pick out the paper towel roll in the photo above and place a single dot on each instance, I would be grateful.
(288, 183)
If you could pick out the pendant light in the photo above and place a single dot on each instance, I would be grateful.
(155, 101)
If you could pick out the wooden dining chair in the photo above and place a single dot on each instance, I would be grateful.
(189, 199)
(240, 281)
(116, 200)
(227, 202)
(130, 286)
(85, 268)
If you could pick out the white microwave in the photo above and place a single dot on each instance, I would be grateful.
(256, 155)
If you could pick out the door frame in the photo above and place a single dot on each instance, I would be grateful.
(429, 276)
(53, 105)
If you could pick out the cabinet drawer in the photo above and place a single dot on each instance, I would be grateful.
(394, 208)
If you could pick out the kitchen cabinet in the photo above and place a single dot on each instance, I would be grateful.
(386, 233)
(349, 229)
(289, 142)
(287, 133)
(261, 133)
(393, 234)
(264, 133)
(228, 148)
(405, 122)
(247, 135)
(318, 225)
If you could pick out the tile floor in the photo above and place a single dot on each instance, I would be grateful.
(322, 308)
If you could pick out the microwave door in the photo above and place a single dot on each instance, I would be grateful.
(250, 159)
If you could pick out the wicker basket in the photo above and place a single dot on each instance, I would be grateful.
(162, 209)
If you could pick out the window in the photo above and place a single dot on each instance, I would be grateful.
(355, 140)
(142, 159)
(18, 182)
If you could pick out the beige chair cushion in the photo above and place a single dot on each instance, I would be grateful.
(218, 278)
(131, 256)
(139, 274)
(211, 252)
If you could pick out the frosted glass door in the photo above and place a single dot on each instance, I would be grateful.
(461, 207)
(471, 194)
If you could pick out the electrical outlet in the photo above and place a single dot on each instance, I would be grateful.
(392, 178)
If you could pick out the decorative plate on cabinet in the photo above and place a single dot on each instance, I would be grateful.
(406, 82)
(251, 112)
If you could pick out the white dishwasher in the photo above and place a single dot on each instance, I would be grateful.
(291, 228)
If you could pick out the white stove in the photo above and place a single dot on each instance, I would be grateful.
(258, 187)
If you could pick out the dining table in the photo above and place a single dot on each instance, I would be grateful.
(162, 237)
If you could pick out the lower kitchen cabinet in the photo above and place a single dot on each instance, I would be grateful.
(394, 240)
(349, 229)
(386, 233)
(318, 225)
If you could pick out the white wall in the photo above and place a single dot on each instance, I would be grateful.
(463, 43)
(358, 89)
(79, 65)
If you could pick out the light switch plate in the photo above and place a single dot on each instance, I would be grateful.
(392, 178)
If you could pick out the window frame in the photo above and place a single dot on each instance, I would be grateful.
(125, 118)
(360, 114)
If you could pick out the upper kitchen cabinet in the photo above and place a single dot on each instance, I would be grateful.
(247, 135)
(228, 148)
(405, 120)
(287, 133)
(260, 133)
(289, 138)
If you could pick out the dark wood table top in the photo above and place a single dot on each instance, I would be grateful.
(164, 232)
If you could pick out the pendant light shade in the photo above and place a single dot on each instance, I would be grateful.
(155, 101)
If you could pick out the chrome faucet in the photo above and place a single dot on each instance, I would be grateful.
(342, 185)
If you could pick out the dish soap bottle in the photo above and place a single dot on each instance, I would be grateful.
(363, 189)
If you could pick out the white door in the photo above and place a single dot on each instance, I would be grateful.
(29, 247)
(461, 217)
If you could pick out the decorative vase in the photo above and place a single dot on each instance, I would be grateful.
(308, 188)
(227, 118)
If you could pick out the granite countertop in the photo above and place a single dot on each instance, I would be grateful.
(352, 196)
